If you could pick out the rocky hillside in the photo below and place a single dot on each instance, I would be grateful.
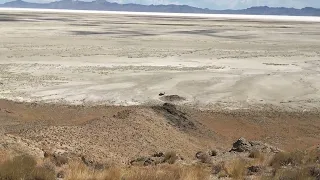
(245, 160)
(92, 142)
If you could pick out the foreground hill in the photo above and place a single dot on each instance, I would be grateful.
(119, 134)
(108, 6)
(155, 142)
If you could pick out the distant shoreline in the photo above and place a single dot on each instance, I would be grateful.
(220, 16)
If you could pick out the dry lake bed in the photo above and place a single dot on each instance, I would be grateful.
(123, 59)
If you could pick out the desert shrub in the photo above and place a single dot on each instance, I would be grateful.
(168, 172)
(17, 168)
(195, 173)
(112, 173)
(170, 157)
(313, 156)
(217, 168)
(237, 169)
(153, 173)
(223, 174)
(48, 165)
(79, 171)
(24, 167)
(42, 173)
(220, 169)
(293, 174)
(257, 155)
(303, 165)
(287, 158)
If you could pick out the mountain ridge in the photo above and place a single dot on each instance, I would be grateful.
(103, 5)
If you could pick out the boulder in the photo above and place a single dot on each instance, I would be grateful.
(254, 169)
(241, 145)
(204, 157)
(162, 93)
(61, 174)
(199, 154)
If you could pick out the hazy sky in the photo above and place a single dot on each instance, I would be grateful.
(219, 4)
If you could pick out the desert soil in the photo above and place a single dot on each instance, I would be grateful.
(89, 84)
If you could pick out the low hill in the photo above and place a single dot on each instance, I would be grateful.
(103, 5)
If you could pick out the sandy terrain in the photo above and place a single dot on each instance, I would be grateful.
(229, 78)
(119, 134)
(130, 59)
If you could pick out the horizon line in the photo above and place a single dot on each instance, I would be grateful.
(170, 4)
(222, 16)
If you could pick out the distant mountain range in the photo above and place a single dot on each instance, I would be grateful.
(103, 5)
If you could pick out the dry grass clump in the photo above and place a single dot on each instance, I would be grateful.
(296, 165)
(168, 172)
(195, 173)
(258, 156)
(239, 169)
(255, 154)
(4, 156)
(294, 174)
(313, 156)
(79, 171)
(24, 167)
(236, 169)
(170, 157)
(287, 159)
(217, 169)
(153, 173)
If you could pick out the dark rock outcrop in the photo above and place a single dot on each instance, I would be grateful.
(157, 158)
(172, 98)
(243, 145)
(175, 116)
(203, 157)
(254, 170)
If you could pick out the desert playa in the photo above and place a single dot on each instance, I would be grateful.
(118, 86)
(129, 59)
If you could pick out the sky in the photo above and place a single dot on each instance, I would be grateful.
(218, 4)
